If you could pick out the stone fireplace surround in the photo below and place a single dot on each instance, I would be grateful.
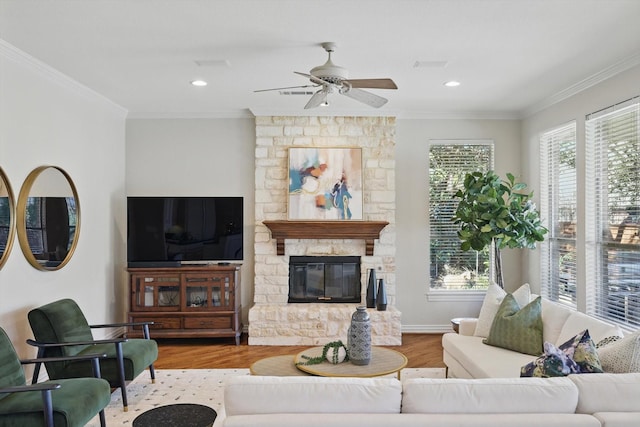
(272, 321)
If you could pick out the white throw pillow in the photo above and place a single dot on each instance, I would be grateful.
(492, 299)
(621, 356)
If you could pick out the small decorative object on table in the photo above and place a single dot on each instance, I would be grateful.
(359, 341)
(381, 299)
(334, 352)
(371, 289)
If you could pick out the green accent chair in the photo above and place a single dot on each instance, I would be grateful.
(62, 322)
(60, 403)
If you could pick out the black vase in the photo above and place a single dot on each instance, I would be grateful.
(371, 289)
(381, 299)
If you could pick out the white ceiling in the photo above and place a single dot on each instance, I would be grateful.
(511, 56)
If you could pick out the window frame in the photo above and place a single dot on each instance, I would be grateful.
(444, 294)
(555, 183)
(601, 247)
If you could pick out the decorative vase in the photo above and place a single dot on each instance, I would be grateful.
(381, 299)
(371, 289)
(359, 341)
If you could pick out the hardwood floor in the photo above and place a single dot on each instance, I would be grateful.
(422, 350)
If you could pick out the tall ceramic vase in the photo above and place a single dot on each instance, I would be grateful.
(371, 289)
(359, 340)
(381, 298)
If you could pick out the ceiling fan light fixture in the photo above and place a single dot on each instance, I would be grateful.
(452, 83)
(198, 83)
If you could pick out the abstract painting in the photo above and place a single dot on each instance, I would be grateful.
(325, 184)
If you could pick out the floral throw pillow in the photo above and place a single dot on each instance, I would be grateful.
(576, 356)
(554, 363)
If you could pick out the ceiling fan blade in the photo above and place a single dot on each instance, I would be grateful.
(283, 88)
(313, 78)
(366, 97)
(317, 99)
(372, 83)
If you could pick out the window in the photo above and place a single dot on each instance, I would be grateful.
(558, 201)
(613, 214)
(450, 267)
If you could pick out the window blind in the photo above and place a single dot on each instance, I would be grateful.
(613, 193)
(558, 205)
(450, 267)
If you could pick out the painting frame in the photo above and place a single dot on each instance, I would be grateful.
(325, 184)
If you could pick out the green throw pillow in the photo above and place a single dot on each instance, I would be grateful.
(517, 329)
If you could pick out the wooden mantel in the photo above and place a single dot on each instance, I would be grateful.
(368, 231)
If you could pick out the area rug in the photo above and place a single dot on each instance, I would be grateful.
(203, 386)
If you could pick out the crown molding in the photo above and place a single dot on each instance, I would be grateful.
(16, 55)
(593, 80)
(223, 114)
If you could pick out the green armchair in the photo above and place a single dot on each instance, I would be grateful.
(62, 322)
(60, 403)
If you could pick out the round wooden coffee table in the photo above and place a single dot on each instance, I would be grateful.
(279, 366)
(383, 361)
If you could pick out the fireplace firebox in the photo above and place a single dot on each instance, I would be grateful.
(324, 279)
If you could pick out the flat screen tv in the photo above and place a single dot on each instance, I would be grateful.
(171, 231)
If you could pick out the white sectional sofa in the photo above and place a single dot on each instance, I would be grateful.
(466, 356)
(594, 400)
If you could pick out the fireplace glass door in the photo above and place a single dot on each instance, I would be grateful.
(324, 279)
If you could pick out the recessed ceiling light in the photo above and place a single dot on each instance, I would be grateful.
(452, 83)
(199, 83)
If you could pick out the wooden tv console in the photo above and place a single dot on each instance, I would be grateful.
(195, 301)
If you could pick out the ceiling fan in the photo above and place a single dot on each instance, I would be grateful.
(331, 78)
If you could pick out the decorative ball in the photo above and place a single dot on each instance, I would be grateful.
(336, 355)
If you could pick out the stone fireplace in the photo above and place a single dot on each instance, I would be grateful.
(273, 320)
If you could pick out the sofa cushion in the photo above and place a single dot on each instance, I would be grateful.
(618, 419)
(517, 329)
(578, 322)
(607, 392)
(621, 356)
(481, 360)
(247, 394)
(492, 300)
(553, 317)
(489, 395)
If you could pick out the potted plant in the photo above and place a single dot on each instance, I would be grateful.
(496, 212)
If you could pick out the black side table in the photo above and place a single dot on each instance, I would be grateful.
(178, 415)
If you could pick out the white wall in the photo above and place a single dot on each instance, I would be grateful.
(412, 179)
(611, 91)
(46, 118)
(215, 157)
(197, 157)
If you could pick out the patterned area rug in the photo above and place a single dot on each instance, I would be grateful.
(203, 386)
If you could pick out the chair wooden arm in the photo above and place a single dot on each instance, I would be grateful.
(63, 344)
(115, 325)
(64, 358)
(145, 326)
(33, 387)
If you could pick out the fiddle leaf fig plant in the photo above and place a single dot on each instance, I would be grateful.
(497, 212)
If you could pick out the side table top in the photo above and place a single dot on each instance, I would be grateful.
(383, 361)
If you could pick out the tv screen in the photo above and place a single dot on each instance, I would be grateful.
(170, 231)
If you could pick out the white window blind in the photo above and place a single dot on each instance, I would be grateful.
(450, 267)
(558, 202)
(613, 208)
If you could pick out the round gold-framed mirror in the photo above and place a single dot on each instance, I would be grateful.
(7, 217)
(48, 218)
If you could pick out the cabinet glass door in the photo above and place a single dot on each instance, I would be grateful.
(153, 292)
(207, 291)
